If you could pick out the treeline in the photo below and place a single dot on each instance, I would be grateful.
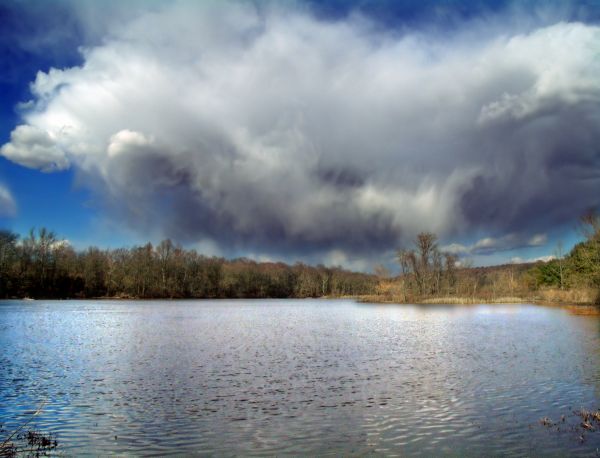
(580, 268)
(428, 273)
(42, 266)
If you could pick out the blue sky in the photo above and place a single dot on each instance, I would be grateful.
(37, 36)
(318, 131)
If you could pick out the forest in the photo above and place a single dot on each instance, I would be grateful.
(41, 265)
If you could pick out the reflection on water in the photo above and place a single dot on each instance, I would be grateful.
(298, 376)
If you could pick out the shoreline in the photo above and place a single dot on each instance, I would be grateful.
(364, 299)
(472, 301)
(586, 307)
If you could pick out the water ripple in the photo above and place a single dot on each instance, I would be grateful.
(328, 378)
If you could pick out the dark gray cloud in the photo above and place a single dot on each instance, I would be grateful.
(491, 245)
(271, 131)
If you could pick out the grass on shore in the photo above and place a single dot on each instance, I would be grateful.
(574, 296)
(569, 297)
(452, 300)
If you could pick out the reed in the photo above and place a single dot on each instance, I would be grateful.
(35, 443)
(575, 296)
(442, 300)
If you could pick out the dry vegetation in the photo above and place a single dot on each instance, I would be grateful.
(430, 276)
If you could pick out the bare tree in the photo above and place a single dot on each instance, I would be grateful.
(589, 225)
(426, 245)
(560, 259)
(381, 272)
(450, 265)
(424, 263)
(164, 251)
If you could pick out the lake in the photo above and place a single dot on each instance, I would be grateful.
(299, 377)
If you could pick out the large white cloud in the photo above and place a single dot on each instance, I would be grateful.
(33, 147)
(276, 130)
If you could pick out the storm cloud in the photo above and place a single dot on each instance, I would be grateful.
(271, 130)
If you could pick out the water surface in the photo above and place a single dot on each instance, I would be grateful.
(299, 377)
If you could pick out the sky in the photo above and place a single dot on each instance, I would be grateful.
(318, 131)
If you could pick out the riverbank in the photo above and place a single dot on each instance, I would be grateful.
(585, 297)
(452, 300)
(570, 298)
